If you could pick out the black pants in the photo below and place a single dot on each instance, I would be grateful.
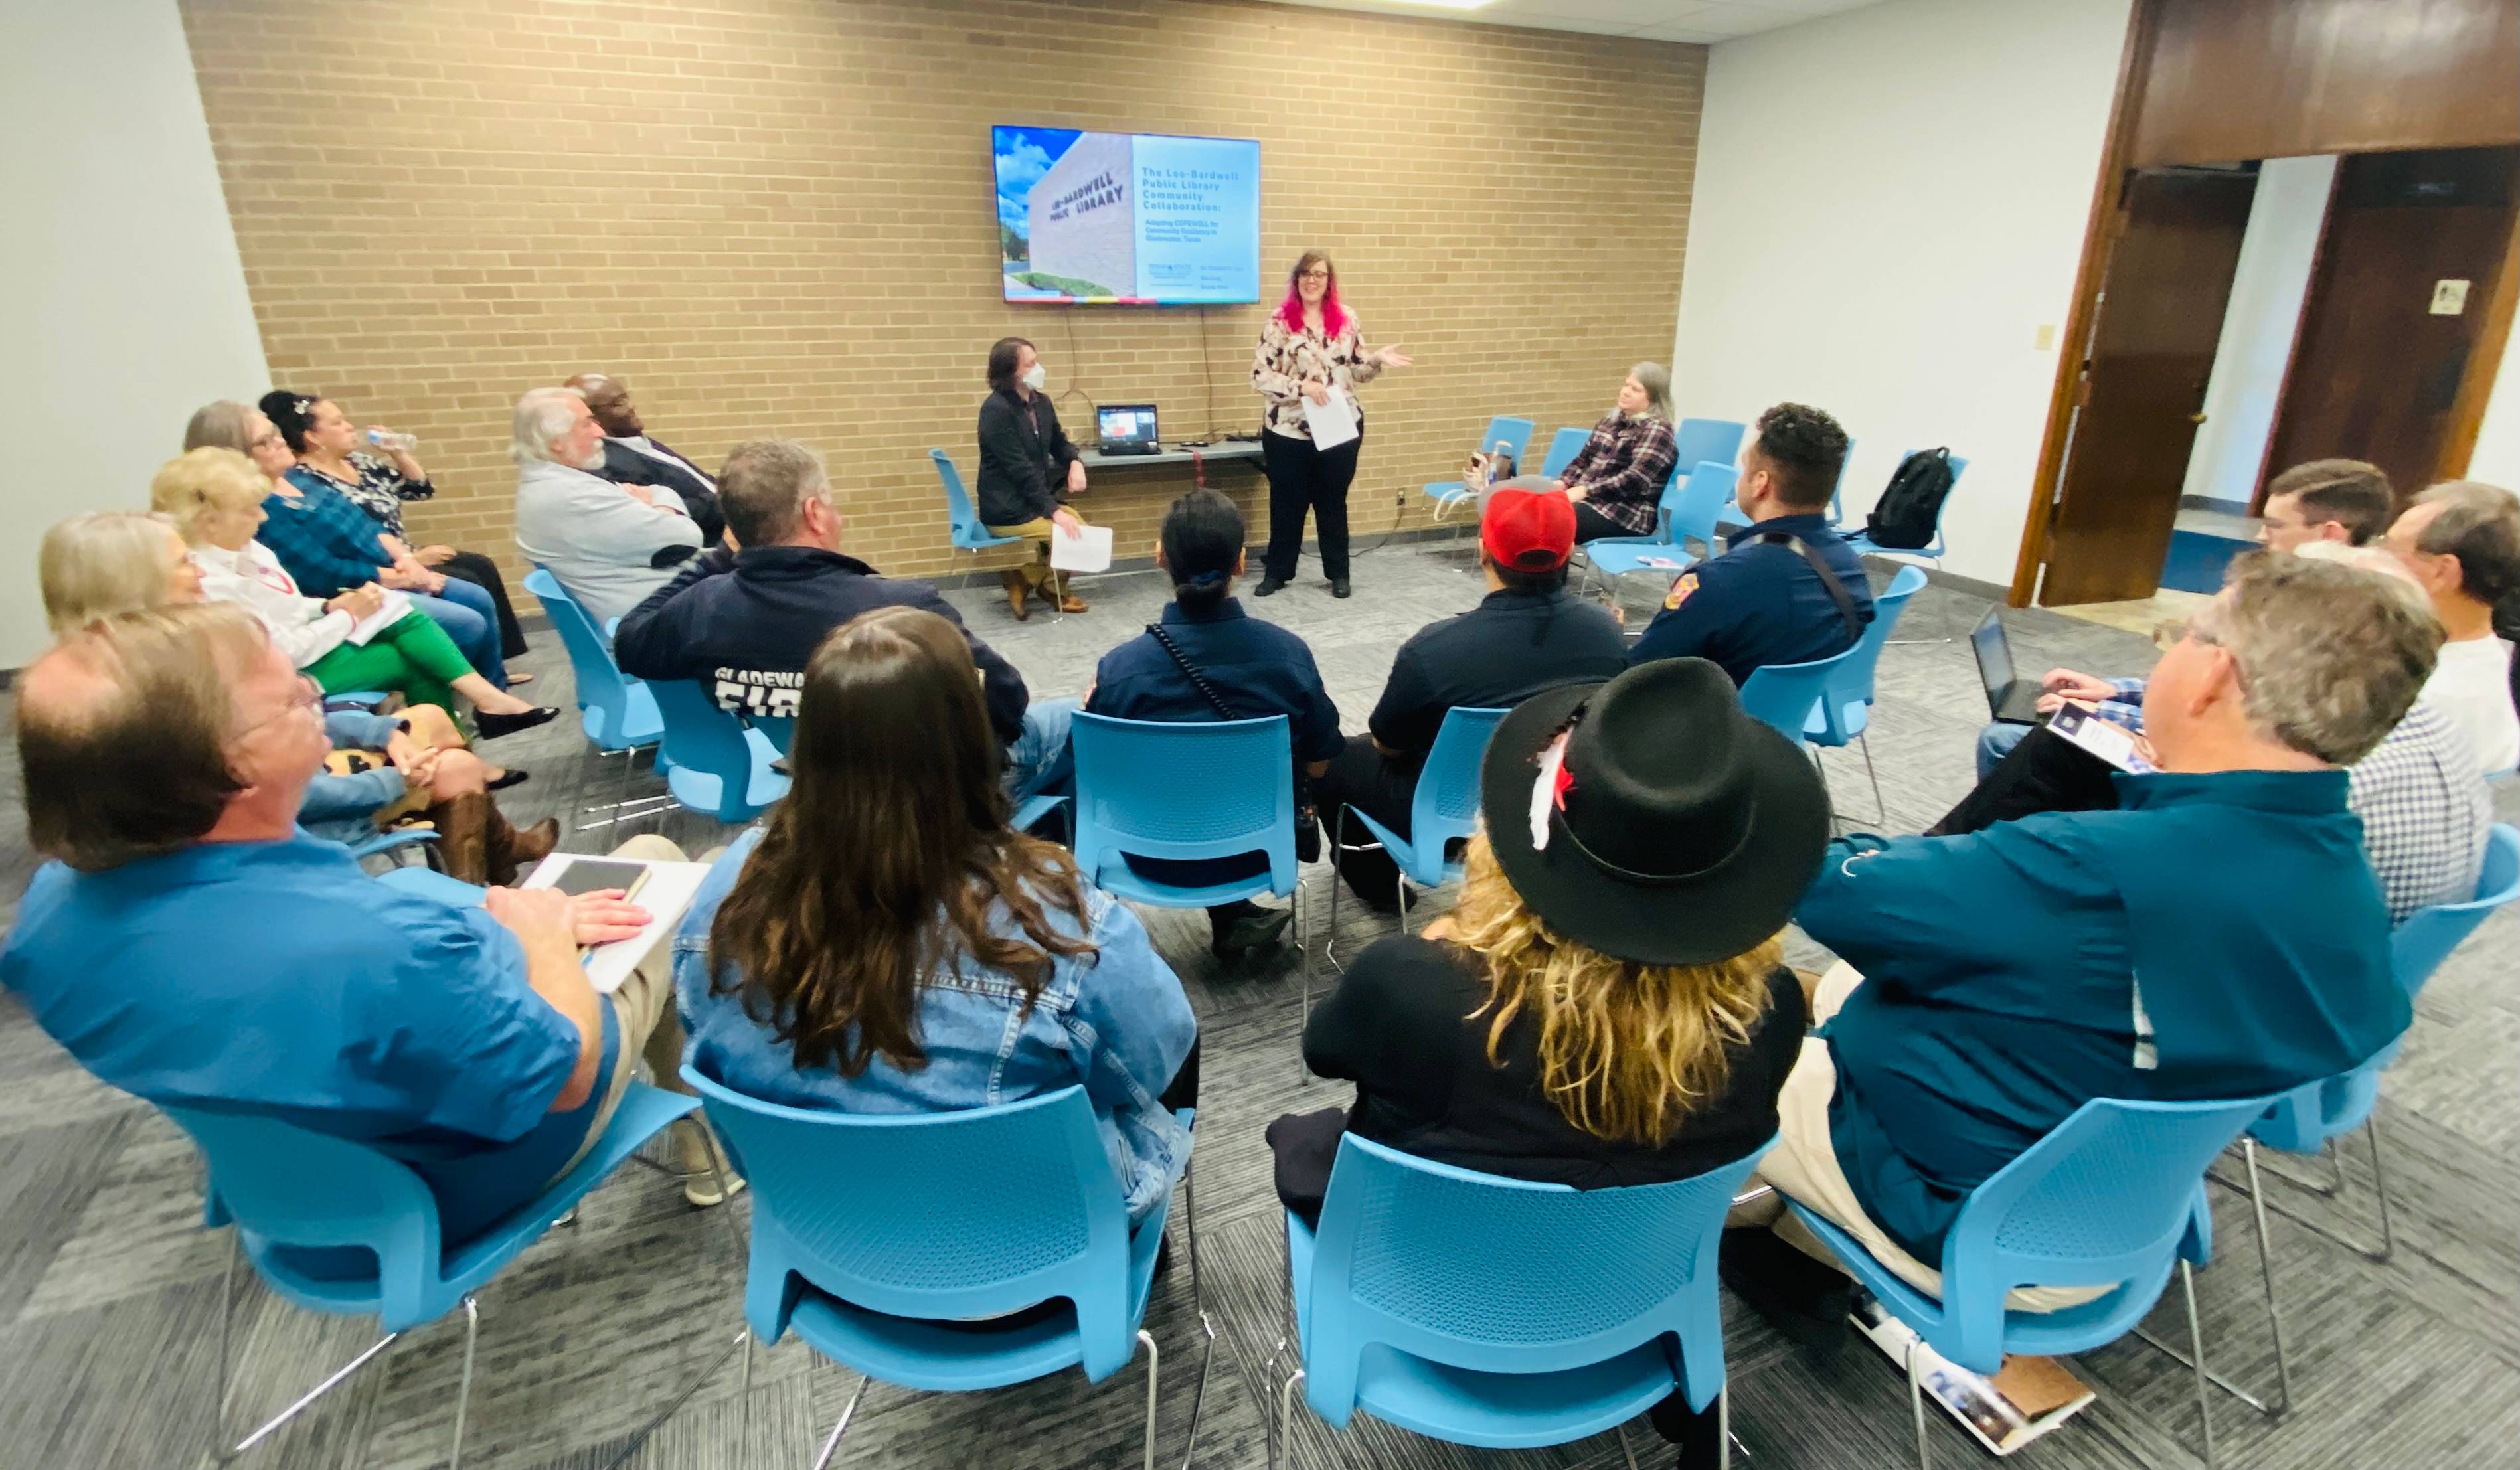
(1383, 788)
(1592, 525)
(1303, 478)
(482, 572)
(2045, 773)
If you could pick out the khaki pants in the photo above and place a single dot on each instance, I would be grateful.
(644, 1008)
(1038, 570)
(1803, 1167)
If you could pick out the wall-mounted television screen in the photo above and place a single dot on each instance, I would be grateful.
(1134, 219)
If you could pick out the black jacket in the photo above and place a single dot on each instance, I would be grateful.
(1024, 470)
(1400, 1026)
(1508, 648)
(624, 466)
(745, 625)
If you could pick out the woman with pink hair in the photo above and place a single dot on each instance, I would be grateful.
(1310, 351)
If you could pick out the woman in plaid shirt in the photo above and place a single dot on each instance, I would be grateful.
(1616, 483)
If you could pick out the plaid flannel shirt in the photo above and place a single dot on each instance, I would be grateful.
(324, 541)
(1623, 468)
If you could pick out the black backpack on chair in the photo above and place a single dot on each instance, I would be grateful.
(1907, 512)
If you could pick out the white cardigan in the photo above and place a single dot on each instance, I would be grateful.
(253, 578)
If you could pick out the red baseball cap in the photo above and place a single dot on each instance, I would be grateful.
(1528, 531)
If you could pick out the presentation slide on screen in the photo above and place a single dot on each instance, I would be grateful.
(1132, 218)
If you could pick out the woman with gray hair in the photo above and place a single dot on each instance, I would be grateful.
(1616, 481)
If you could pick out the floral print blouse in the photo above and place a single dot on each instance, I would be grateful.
(1286, 360)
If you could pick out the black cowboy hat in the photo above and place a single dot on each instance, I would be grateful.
(1679, 831)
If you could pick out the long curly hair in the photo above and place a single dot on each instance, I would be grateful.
(1628, 1052)
(883, 867)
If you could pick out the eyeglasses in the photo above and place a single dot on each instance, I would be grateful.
(310, 695)
(1317, 272)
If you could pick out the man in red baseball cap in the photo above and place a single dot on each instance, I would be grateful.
(1528, 634)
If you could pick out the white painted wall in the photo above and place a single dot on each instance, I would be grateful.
(2258, 328)
(122, 300)
(2496, 460)
(1890, 204)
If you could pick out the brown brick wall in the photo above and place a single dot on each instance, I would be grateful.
(776, 217)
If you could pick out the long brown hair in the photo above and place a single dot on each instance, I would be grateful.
(878, 871)
(1627, 1050)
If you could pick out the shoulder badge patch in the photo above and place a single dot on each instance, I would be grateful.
(1680, 591)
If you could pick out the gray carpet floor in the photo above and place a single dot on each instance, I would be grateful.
(108, 1285)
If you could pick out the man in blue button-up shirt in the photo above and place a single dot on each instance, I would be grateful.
(1788, 590)
(2218, 937)
(192, 945)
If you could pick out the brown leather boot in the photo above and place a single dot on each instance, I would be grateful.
(1016, 587)
(464, 836)
(513, 851)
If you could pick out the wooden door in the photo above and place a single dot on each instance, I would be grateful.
(2168, 282)
(2376, 372)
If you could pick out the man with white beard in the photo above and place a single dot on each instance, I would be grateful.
(610, 545)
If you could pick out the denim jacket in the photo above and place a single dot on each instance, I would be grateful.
(1115, 1020)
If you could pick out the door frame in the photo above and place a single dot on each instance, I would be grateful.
(2090, 274)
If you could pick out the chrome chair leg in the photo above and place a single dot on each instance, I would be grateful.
(1304, 1012)
(2267, 1277)
(2196, 1340)
(1285, 1419)
(226, 1296)
(832, 1445)
(1154, 1364)
(1199, 1401)
(1338, 843)
(463, 1388)
(2379, 1184)
(1723, 1427)
(1917, 1405)
(318, 1392)
(1627, 1451)
(1880, 808)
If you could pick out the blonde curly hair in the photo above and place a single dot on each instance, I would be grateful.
(1628, 1052)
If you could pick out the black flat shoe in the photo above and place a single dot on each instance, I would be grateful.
(517, 776)
(1339, 587)
(492, 727)
(1267, 586)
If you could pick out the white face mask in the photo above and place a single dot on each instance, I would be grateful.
(1037, 378)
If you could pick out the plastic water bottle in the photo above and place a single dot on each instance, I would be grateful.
(393, 443)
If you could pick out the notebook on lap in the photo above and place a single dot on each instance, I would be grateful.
(2011, 700)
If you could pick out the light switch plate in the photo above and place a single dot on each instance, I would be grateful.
(2044, 339)
(2450, 297)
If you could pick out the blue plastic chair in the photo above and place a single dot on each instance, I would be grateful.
(1498, 1312)
(1444, 809)
(1846, 702)
(714, 765)
(1563, 446)
(2311, 1118)
(298, 1198)
(1699, 439)
(2108, 1198)
(617, 712)
(1785, 696)
(1512, 435)
(1686, 513)
(887, 1241)
(1933, 551)
(962, 517)
(781, 729)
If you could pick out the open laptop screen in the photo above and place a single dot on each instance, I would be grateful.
(1126, 423)
(1994, 654)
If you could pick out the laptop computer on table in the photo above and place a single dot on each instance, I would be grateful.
(2010, 699)
(1127, 428)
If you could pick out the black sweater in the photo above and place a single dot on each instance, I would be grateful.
(1399, 1026)
(1024, 469)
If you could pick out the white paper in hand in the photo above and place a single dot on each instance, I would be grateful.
(385, 616)
(666, 895)
(1089, 552)
(1332, 423)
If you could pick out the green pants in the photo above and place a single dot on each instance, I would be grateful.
(413, 656)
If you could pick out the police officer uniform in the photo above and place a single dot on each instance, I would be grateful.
(1762, 601)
